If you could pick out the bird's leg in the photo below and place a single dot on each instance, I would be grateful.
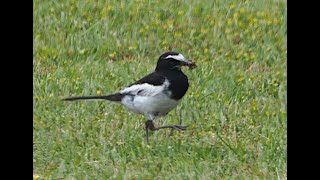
(149, 125)
(176, 127)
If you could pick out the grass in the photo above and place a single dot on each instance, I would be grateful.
(235, 107)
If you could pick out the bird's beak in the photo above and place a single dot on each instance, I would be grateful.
(189, 64)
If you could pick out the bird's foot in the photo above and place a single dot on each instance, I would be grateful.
(150, 126)
(176, 127)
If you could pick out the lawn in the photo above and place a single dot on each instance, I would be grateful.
(236, 106)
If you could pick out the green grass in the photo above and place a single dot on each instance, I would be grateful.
(235, 107)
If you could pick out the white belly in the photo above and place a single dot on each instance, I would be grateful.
(158, 105)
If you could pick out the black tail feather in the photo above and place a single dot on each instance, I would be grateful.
(111, 97)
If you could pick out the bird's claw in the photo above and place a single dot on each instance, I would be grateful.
(179, 127)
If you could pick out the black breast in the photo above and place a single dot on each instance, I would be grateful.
(178, 84)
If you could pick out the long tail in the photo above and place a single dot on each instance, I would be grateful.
(111, 97)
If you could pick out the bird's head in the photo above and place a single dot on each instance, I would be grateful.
(173, 60)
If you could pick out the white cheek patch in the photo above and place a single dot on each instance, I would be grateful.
(178, 57)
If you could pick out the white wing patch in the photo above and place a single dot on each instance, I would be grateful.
(178, 57)
(145, 89)
(149, 99)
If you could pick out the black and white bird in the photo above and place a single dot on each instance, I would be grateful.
(155, 94)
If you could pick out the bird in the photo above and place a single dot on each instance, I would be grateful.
(156, 94)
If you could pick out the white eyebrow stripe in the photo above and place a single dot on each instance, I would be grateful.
(178, 57)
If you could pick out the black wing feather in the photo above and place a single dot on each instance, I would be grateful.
(153, 79)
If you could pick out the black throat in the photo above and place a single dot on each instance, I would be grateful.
(178, 81)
